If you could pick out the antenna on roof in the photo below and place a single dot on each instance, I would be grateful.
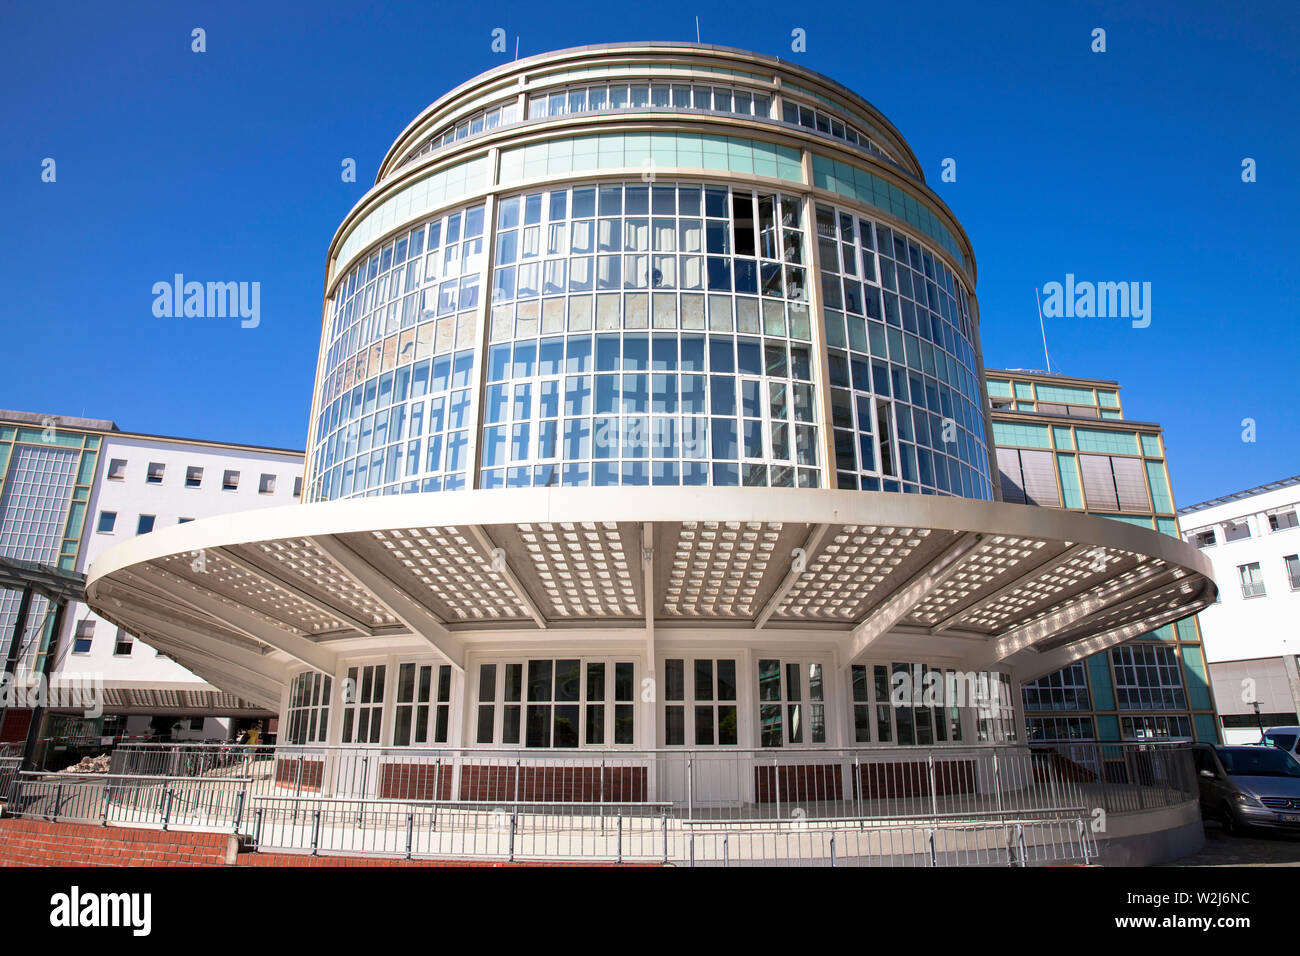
(697, 28)
(1043, 328)
(516, 46)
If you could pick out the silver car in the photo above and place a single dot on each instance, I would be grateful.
(1283, 738)
(1248, 786)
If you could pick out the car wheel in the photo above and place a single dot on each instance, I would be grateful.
(1231, 825)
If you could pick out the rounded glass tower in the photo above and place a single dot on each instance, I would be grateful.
(717, 279)
(650, 264)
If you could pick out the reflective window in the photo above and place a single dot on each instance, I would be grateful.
(906, 410)
(649, 334)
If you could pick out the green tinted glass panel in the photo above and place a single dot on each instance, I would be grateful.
(1106, 442)
(1206, 730)
(1008, 434)
(1194, 677)
(1070, 487)
(1161, 499)
(1064, 393)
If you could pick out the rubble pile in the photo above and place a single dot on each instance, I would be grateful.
(90, 765)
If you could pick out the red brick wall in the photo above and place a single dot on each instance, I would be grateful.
(912, 779)
(415, 781)
(553, 784)
(287, 773)
(38, 843)
(798, 782)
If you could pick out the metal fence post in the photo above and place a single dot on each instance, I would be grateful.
(934, 789)
(58, 800)
(832, 849)
(620, 836)
(1083, 841)
(690, 788)
(934, 851)
(239, 807)
(410, 832)
(437, 792)
(167, 807)
(1020, 843)
(776, 782)
(663, 829)
(857, 786)
(108, 800)
(513, 820)
(315, 832)
(257, 827)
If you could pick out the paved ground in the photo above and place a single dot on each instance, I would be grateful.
(1260, 848)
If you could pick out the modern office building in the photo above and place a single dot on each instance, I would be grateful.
(145, 483)
(72, 488)
(1063, 442)
(1251, 636)
(650, 413)
(47, 471)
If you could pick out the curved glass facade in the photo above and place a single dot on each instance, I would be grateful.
(650, 334)
(903, 373)
(756, 331)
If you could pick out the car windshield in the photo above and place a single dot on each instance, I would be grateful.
(1258, 762)
(1281, 741)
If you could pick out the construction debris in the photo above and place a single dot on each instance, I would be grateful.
(90, 765)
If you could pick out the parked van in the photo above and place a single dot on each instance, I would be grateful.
(1284, 738)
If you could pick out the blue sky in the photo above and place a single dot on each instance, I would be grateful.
(1121, 166)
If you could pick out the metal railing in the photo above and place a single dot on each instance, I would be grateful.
(9, 767)
(191, 803)
(894, 805)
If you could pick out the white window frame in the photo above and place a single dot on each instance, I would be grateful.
(365, 701)
(690, 701)
(609, 701)
(311, 712)
(430, 712)
(1255, 587)
(787, 703)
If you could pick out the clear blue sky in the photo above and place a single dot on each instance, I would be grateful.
(225, 165)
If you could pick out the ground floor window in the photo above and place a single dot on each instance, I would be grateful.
(564, 702)
(363, 704)
(1056, 729)
(1147, 677)
(996, 715)
(423, 710)
(700, 702)
(906, 704)
(791, 703)
(309, 704)
(1066, 689)
(1156, 727)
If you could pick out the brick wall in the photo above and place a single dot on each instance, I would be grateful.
(38, 843)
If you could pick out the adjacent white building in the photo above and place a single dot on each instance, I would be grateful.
(145, 483)
(1252, 633)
